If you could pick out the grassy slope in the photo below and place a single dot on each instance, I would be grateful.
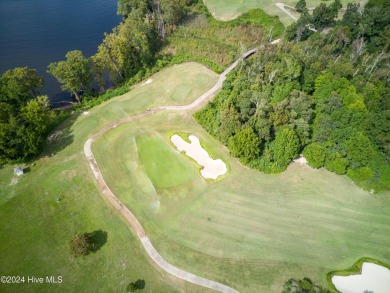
(230, 9)
(217, 44)
(251, 231)
(35, 229)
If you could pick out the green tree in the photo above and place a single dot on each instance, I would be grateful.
(131, 287)
(81, 244)
(285, 147)
(245, 145)
(125, 7)
(336, 6)
(376, 23)
(352, 19)
(359, 150)
(301, 6)
(19, 85)
(75, 73)
(336, 163)
(315, 155)
(230, 124)
(172, 13)
(324, 16)
(34, 122)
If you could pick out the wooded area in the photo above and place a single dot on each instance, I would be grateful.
(326, 97)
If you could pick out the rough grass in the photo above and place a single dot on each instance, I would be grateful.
(35, 230)
(252, 231)
(231, 9)
(216, 44)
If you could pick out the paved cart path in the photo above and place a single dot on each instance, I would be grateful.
(283, 6)
(128, 215)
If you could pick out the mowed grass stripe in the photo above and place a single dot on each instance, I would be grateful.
(298, 223)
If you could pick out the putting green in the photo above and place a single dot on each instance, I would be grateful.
(164, 167)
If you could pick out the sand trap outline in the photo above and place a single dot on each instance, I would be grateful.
(373, 278)
(212, 169)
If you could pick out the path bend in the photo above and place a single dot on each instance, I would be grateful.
(128, 215)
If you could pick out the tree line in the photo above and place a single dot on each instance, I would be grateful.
(130, 47)
(25, 116)
(326, 97)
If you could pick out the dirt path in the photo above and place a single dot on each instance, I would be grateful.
(128, 215)
(282, 7)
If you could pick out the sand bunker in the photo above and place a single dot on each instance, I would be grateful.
(374, 278)
(301, 160)
(211, 168)
(150, 80)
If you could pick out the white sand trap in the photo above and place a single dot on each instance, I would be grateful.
(374, 278)
(150, 80)
(211, 168)
(301, 160)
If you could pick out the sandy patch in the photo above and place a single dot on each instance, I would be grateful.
(301, 160)
(85, 113)
(150, 80)
(211, 168)
(374, 278)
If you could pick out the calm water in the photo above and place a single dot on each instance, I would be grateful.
(35, 33)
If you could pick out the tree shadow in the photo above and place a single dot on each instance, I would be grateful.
(135, 286)
(98, 238)
(60, 137)
(140, 284)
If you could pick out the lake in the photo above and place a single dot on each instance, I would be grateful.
(35, 33)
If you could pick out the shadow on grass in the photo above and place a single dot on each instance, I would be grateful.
(98, 238)
(135, 286)
(140, 284)
(60, 137)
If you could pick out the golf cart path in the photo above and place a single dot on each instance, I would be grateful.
(282, 7)
(128, 215)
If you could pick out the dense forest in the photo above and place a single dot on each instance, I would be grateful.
(324, 92)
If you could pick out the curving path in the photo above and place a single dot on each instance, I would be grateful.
(128, 215)
(282, 7)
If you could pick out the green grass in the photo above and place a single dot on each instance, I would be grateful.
(356, 268)
(35, 230)
(252, 231)
(249, 230)
(230, 9)
(165, 167)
